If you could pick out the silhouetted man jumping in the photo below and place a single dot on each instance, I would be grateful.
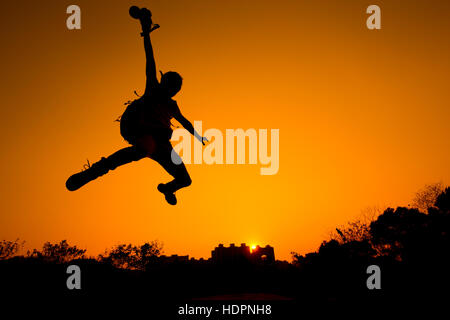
(146, 125)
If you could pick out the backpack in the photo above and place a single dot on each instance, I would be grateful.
(131, 121)
(141, 117)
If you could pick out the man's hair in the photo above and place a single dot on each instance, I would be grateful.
(172, 78)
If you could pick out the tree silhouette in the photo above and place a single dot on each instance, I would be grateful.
(9, 248)
(127, 256)
(398, 231)
(401, 234)
(408, 234)
(59, 252)
(443, 202)
(355, 231)
(426, 197)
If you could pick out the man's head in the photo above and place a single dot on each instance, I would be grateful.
(171, 82)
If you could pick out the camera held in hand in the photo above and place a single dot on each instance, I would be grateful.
(145, 17)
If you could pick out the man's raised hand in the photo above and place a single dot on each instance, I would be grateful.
(154, 27)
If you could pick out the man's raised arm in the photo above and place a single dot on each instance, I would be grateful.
(150, 68)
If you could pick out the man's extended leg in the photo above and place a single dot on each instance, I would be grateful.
(178, 171)
(119, 158)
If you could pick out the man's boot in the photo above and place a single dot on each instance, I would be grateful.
(90, 173)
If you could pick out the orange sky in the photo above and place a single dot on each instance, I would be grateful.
(363, 118)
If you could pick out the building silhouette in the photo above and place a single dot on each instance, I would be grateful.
(173, 258)
(227, 255)
(234, 254)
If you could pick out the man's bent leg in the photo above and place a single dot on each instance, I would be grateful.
(178, 171)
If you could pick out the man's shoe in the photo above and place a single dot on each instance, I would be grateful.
(170, 196)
